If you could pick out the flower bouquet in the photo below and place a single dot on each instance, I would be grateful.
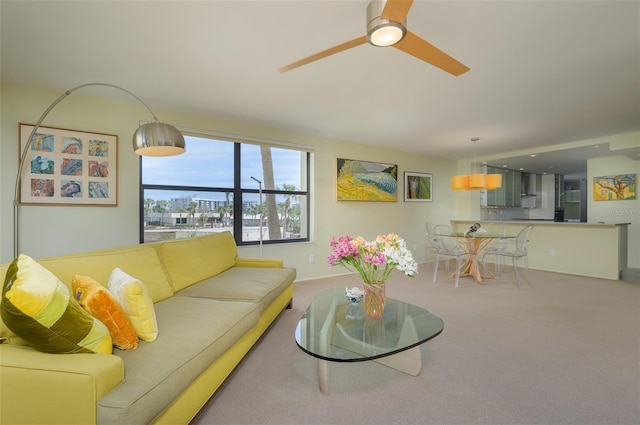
(374, 261)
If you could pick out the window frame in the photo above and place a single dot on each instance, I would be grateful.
(237, 190)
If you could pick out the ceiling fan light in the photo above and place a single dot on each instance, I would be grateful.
(386, 34)
(382, 32)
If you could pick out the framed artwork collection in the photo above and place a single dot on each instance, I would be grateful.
(68, 167)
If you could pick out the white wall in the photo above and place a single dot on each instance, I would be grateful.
(57, 230)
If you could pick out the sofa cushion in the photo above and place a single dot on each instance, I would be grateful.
(134, 297)
(7, 336)
(258, 285)
(139, 261)
(38, 308)
(195, 332)
(191, 260)
(102, 305)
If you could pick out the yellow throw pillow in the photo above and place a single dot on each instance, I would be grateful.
(37, 307)
(99, 302)
(136, 301)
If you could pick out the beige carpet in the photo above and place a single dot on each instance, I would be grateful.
(565, 350)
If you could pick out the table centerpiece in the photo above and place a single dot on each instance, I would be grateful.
(374, 261)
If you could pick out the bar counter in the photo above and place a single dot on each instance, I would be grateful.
(586, 249)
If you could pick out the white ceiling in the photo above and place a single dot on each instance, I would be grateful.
(542, 72)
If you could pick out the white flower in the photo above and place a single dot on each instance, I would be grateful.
(353, 292)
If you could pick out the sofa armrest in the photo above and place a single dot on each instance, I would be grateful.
(54, 388)
(271, 263)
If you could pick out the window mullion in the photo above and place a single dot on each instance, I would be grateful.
(237, 193)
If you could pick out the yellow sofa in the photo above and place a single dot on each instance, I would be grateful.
(211, 307)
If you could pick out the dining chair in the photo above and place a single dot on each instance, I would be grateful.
(497, 245)
(448, 246)
(514, 249)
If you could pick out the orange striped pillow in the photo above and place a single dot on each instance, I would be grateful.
(102, 305)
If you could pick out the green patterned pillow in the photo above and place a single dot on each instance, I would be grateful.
(37, 307)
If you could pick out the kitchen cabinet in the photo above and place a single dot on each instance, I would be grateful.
(509, 194)
(514, 188)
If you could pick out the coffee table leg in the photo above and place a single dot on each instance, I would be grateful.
(326, 334)
(408, 361)
(323, 378)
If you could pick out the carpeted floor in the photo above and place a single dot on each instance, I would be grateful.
(565, 350)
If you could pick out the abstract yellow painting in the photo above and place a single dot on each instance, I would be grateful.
(614, 188)
(366, 181)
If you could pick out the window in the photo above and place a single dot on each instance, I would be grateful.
(257, 190)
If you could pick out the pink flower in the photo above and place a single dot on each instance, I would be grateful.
(342, 249)
(373, 260)
(377, 258)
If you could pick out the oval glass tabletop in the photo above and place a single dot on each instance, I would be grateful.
(334, 329)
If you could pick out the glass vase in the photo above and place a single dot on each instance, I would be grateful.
(374, 296)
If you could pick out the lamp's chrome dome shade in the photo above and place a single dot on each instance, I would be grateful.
(158, 139)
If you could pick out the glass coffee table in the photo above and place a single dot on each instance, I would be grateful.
(333, 329)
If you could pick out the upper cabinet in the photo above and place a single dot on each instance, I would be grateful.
(509, 195)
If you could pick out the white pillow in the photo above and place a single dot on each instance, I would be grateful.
(136, 301)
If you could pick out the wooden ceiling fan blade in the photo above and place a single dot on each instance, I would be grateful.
(323, 54)
(396, 10)
(423, 50)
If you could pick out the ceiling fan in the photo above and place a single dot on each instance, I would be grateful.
(386, 26)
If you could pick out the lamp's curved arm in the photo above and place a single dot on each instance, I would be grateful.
(26, 149)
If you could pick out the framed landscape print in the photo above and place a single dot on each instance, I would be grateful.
(68, 167)
(418, 187)
(366, 181)
(614, 188)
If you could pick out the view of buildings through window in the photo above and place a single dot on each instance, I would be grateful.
(256, 191)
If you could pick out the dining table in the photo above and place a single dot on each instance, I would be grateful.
(474, 244)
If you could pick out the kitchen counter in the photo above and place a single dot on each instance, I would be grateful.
(587, 249)
(535, 221)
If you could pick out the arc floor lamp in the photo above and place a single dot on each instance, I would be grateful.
(150, 139)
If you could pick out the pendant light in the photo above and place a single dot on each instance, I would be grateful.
(476, 181)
